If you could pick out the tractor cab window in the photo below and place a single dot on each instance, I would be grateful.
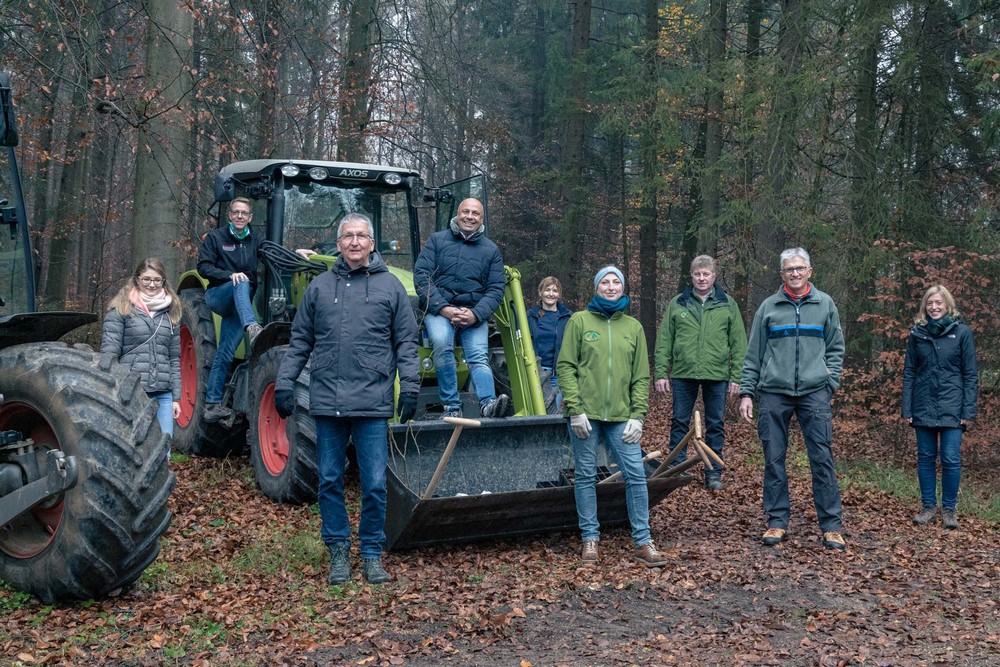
(313, 212)
(14, 288)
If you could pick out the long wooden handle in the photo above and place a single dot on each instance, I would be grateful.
(712, 455)
(700, 448)
(617, 475)
(674, 453)
(697, 425)
(459, 423)
(677, 469)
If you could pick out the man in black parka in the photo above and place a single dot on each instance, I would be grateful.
(356, 324)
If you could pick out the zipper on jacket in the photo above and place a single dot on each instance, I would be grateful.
(607, 397)
(798, 339)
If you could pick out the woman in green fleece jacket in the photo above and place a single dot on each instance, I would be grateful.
(603, 371)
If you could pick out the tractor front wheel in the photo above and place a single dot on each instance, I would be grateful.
(192, 434)
(101, 534)
(283, 451)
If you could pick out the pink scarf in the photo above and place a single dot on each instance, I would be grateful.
(149, 304)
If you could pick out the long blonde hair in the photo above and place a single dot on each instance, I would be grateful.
(123, 302)
(949, 301)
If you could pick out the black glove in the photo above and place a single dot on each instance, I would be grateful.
(407, 406)
(284, 402)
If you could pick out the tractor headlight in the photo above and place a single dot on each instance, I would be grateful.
(290, 170)
(392, 178)
(426, 363)
(318, 173)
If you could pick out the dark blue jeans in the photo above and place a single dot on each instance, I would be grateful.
(816, 420)
(928, 441)
(713, 394)
(369, 435)
(232, 304)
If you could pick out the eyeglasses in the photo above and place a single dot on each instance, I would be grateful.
(789, 270)
(240, 214)
(151, 281)
(351, 238)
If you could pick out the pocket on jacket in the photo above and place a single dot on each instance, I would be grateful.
(322, 360)
(372, 361)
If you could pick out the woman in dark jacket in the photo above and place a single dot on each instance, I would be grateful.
(141, 330)
(940, 386)
(547, 322)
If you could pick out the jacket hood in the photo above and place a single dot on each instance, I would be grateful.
(472, 237)
(375, 265)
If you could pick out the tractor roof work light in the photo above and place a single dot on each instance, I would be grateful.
(290, 170)
(392, 178)
(318, 173)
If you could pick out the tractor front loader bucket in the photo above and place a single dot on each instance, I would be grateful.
(504, 478)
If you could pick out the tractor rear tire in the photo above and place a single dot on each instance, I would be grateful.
(192, 434)
(283, 451)
(99, 536)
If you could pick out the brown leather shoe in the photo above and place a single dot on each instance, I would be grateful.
(832, 539)
(650, 556)
(773, 536)
(589, 553)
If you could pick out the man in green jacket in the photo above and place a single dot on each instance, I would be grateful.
(793, 365)
(701, 343)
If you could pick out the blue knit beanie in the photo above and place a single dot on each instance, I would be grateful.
(605, 271)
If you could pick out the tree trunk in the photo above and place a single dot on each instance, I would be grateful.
(573, 196)
(161, 166)
(771, 229)
(711, 186)
(356, 82)
(649, 160)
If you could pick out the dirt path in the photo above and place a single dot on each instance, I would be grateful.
(241, 581)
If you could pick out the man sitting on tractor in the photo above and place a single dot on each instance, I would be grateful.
(228, 260)
(459, 277)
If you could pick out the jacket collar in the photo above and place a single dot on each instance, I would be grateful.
(471, 238)
(375, 265)
(688, 295)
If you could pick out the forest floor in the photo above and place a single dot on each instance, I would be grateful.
(242, 581)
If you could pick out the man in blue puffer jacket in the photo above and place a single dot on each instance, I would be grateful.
(459, 277)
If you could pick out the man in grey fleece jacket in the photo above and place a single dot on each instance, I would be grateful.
(793, 365)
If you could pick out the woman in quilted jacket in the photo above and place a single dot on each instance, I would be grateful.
(142, 331)
(940, 389)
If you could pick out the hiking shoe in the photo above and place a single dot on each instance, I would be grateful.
(452, 413)
(714, 484)
(650, 556)
(497, 407)
(589, 554)
(373, 571)
(832, 539)
(253, 330)
(215, 412)
(927, 515)
(773, 536)
(948, 519)
(340, 563)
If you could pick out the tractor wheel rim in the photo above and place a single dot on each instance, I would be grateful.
(271, 435)
(31, 533)
(189, 377)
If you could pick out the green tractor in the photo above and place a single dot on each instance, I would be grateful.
(302, 202)
(506, 476)
(84, 480)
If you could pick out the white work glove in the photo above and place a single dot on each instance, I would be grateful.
(580, 425)
(633, 431)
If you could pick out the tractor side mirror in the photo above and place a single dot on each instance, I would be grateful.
(8, 124)
(225, 189)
